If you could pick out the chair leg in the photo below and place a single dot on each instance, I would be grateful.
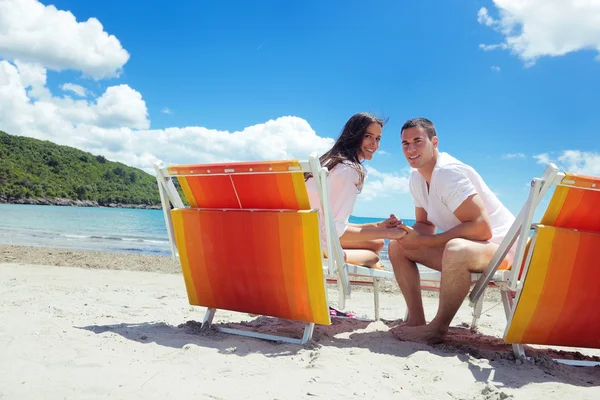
(208, 318)
(519, 351)
(341, 296)
(477, 312)
(376, 297)
(309, 328)
(507, 302)
(308, 332)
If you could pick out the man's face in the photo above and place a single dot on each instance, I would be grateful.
(417, 147)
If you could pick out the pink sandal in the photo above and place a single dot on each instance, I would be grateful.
(337, 313)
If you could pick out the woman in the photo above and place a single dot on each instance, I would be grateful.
(358, 141)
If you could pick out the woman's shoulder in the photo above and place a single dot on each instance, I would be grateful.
(347, 173)
(347, 168)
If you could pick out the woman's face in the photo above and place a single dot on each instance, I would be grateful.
(370, 142)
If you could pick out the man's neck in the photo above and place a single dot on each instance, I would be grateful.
(427, 170)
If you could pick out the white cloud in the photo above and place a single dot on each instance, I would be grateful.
(384, 184)
(116, 125)
(575, 161)
(77, 89)
(489, 47)
(483, 17)
(121, 106)
(513, 155)
(35, 33)
(538, 28)
(495, 68)
(28, 108)
(166, 110)
(542, 158)
(580, 162)
(33, 77)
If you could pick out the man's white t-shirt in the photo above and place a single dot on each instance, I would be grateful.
(343, 191)
(451, 183)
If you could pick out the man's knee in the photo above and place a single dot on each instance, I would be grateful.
(395, 251)
(456, 252)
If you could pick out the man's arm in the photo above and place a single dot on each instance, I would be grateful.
(475, 224)
(422, 224)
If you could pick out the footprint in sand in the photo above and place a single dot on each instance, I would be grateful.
(312, 358)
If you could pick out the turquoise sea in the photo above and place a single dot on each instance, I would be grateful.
(93, 228)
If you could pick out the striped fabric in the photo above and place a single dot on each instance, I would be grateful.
(270, 185)
(249, 241)
(558, 304)
(573, 206)
(263, 262)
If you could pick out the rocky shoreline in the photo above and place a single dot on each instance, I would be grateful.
(75, 203)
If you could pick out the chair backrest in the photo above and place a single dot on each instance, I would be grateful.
(573, 202)
(249, 240)
(259, 185)
(557, 303)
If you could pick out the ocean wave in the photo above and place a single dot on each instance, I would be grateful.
(136, 239)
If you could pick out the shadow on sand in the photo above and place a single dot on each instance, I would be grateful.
(466, 345)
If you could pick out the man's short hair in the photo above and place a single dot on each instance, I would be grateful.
(424, 123)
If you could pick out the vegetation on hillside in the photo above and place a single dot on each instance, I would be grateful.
(36, 169)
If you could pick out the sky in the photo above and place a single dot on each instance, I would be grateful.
(510, 84)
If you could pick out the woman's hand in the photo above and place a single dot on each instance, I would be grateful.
(390, 222)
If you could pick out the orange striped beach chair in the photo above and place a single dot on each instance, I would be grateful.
(552, 298)
(249, 241)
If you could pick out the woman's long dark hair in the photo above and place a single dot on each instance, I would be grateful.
(347, 147)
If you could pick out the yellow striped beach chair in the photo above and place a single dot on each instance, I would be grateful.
(551, 298)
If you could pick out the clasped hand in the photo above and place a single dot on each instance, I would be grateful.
(412, 240)
(394, 226)
(406, 235)
(390, 222)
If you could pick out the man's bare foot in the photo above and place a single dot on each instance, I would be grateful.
(424, 333)
(410, 322)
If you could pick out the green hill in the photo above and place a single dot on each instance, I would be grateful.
(36, 171)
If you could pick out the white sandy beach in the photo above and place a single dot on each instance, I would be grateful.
(126, 331)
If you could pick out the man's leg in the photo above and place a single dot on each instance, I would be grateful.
(460, 258)
(406, 272)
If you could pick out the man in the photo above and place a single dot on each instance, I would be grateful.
(451, 196)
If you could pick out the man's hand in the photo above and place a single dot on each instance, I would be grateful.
(395, 233)
(390, 222)
(412, 240)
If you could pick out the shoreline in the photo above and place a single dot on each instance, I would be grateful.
(63, 202)
(105, 260)
(63, 257)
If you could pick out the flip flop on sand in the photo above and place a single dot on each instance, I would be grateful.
(337, 313)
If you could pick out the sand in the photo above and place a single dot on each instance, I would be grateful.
(79, 325)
